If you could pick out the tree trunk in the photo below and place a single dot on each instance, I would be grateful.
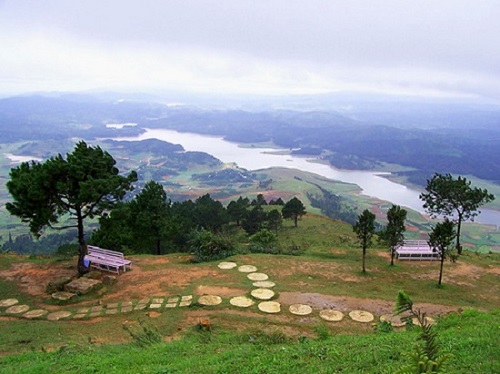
(441, 268)
(295, 219)
(158, 247)
(82, 251)
(459, 225)
(392, 256)
(364, 255)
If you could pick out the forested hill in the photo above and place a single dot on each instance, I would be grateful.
(423, 137)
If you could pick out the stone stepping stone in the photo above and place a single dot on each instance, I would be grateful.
(141, 306)
(17, 309)
(127, 303)
(56, 316)
(112, 311)
(36, 313)
(264, 284)
(127, 309)
(227, 265)
(300, 309)
(257, 276)
(429, 320)
(186, 300)
(361, 316)
(269, 307)
(173, 299)
(79, 316)
(82, 285)
(262, 294)
(170, 305)
(157, 301)
(112, 306)
(63, 295)
(331, 315)
(155, 306)
(8, 302)
(96, 308)
(241, 301)
(209, 300)
(392, 319)
(247, 269)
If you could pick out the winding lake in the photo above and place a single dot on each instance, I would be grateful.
(372, 183)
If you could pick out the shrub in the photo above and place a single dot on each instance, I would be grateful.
(207, 246)
(264, 241)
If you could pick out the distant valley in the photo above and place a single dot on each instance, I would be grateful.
(368, 135)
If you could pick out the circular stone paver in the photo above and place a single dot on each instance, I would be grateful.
(361, 316)
(56, 316)
(257, 276)
(262, 293)
(269, 307)
(241, 301)
(16, 309)
(392, 319)
(227, 265)
(36, 313)
(264, 284)
(429, 320)
(331, 315)
(300, 309)
(210, 300)
(8, 302)
(247, 269)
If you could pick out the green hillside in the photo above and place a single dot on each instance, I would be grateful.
(327, 275)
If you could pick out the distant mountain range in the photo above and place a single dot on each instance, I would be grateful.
(424, 136)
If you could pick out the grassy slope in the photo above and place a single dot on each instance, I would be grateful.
(256, 343)
(472, 337)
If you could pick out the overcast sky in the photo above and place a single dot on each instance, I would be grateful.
(423, 47)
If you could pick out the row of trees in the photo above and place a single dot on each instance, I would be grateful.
(444, 197)
(86, 184)
(151, 223)
(440, 238)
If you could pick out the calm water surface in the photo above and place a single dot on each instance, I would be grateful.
(371, 183)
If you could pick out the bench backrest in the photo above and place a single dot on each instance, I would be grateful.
(92, 250)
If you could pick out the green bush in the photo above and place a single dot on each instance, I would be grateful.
(264, 241)
(207, 246)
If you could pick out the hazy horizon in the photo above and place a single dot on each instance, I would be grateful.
(445, 49)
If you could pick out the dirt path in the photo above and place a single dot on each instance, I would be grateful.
(155, 276)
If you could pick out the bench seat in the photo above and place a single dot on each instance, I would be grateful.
(106, 259)
(416, 250)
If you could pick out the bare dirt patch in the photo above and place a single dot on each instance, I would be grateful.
(221, 291)
(33, 279)
(347, 303)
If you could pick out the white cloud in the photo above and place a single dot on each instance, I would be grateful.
(425, 47)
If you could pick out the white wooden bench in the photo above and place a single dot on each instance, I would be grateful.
(106, 259)
(416, 250)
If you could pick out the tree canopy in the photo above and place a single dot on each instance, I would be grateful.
(364, 229)
(454, 198)
(393, 233)
(440, 239)
(83, 185)
(293, 209)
